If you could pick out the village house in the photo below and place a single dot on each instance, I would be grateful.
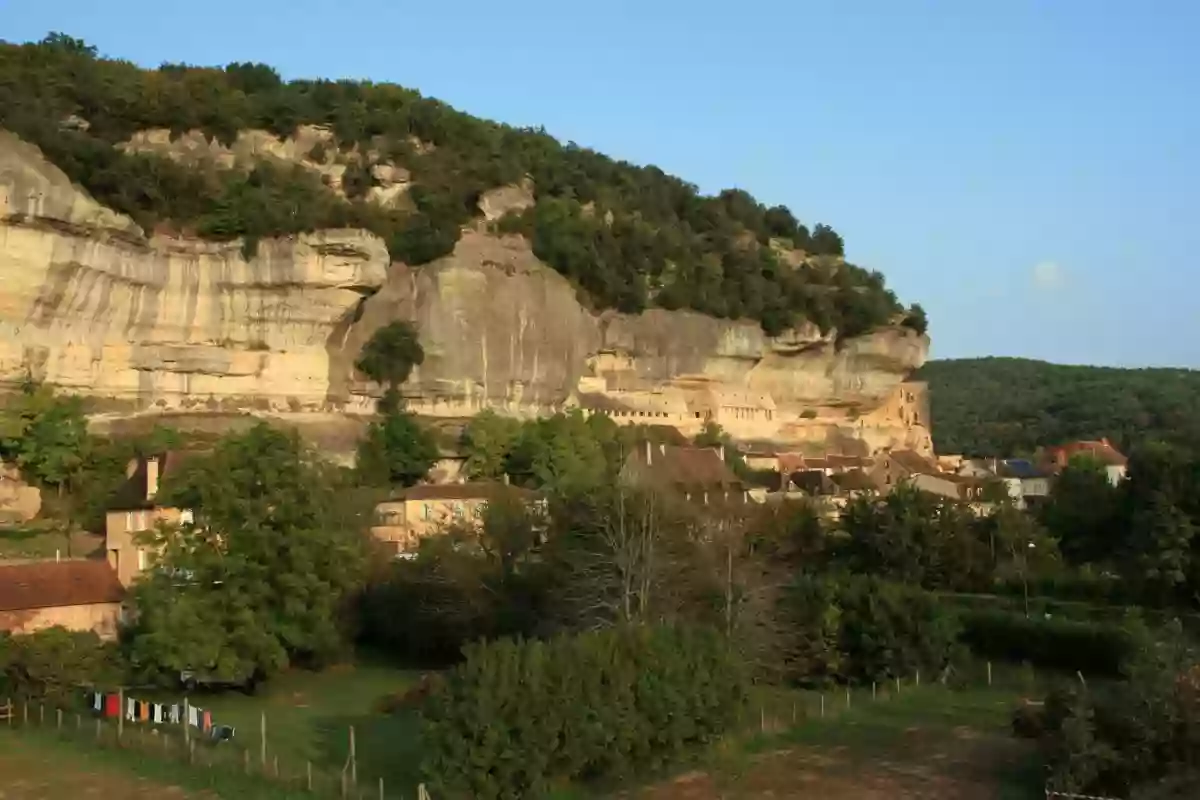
(696, 474)
(1113, 461)
(413, 514)
(134, 509)
(1026, 483)
(82, 595)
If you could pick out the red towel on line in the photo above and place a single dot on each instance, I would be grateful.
(112, 705)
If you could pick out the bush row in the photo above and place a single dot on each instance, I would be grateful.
(1094, 648)
(517, 717)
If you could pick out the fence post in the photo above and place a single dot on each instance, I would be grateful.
(353, 759)
(308, 774)
(793, 712)
(381, 789)
(262, 733)
(917, 679)
(25, 713)
(59, 721)
(97, 729)
(989, 666)
(822, 705)
(897, 684)
(78, 722)
(847, 697)
(41, 714)
(762, 719)
(120, 713)
(873, 690)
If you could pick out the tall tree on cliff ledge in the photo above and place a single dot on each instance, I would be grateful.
(388, 358)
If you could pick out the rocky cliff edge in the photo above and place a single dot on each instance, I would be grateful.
(91, 303)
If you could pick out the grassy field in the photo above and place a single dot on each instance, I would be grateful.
(309, 717)
(923, 742)
(928, 742)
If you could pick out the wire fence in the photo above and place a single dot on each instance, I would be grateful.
(238, 769)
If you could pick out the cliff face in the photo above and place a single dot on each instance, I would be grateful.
(92, 304)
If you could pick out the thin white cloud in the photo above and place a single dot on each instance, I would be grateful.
(1048, 275)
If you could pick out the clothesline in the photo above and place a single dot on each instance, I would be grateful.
(108, 704)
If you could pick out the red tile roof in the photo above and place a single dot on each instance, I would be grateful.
(51, 584)
(1100, 450)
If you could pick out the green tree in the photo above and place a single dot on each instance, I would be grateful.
(45, 434)
(487, 439)
(396, 450)
(1082, 511)
(261, 579)
(388, 358)
(1159, 548)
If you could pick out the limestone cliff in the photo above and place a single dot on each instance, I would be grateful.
(91, 303)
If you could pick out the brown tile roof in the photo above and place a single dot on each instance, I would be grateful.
(51, 584)
(476, 490)
(685, 466)
(854, 480)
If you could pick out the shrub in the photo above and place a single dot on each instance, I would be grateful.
(860, 629)
(53, 665)
(1093, 648)
(520, 717)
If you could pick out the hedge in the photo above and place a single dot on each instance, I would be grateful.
(518, 718)
(1093, 648)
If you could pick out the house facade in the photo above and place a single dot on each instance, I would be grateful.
(402, 521)
(82, 595)
(134, 510)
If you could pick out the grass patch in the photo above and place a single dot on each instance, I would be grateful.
(309, 716)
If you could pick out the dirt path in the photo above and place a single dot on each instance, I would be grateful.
(28, 773)
(924, 768)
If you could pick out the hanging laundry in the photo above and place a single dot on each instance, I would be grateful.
(143, 711)
(173, 714)
(156, 713)
(193, 716)
(207, 717)
(112, 705)
(97, 701)
(130, 709)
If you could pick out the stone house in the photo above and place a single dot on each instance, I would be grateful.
(1113, 461)
(402, 521)
(134, 510)
(696, 474)
(82, 595)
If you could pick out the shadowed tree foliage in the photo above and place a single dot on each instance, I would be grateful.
(1011, 406)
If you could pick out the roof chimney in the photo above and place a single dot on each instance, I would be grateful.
(721, 452)
(506, 479)
(649, 452)
(151, 477)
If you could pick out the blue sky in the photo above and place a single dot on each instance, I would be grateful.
(1026, 170)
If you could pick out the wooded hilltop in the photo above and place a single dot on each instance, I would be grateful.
(629, 236)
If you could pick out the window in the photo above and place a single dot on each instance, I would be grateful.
(141, 559)
(186, 517)
(426, 512)
(458, 511)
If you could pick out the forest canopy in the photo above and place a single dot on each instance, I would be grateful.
(629, 236)
(1009, 406)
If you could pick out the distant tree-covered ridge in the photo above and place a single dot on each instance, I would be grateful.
(1007, 406)
(629, 236)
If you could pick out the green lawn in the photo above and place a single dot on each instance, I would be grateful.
(309, 716)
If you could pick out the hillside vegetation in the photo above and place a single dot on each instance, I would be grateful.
(1006, 406)
(629, 236)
